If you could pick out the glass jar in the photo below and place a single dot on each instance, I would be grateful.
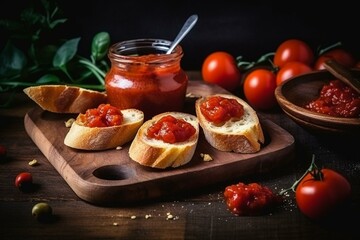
(144, 77)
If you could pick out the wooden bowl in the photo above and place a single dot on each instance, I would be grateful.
(294, 94)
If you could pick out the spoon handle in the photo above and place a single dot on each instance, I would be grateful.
(342, 73)
(190, 22)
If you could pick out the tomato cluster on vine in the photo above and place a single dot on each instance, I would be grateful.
(257, 81)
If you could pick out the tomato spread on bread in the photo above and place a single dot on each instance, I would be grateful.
(104, 115)
(171, 130)
(218, 109)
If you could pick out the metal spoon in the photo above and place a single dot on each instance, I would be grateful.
(190, 22)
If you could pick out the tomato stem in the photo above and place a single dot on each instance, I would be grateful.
(324, 50)
(265, 57)
(313, 170)
(274, 68)
(245, 65)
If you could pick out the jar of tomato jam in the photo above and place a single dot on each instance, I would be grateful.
(144, 77)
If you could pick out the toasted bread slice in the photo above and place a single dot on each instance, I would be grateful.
(101, 138)
(159, 154)
(65, 99)
(244, 135)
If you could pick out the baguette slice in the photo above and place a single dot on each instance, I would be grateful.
(65, 99)
(159, 154)
(240, 136)
(101, 138)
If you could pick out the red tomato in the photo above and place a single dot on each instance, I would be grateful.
(340, 55)
(316, 197)
(291, 69)
(23, 180)
(259, 88)
(220, 68)
(293, 50)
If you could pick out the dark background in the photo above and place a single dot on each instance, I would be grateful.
(246, 28)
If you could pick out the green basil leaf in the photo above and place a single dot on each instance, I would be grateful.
(66, 52)
(100, 45)
(12, 60)
(48, 78)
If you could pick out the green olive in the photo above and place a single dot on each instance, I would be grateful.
(42, 211)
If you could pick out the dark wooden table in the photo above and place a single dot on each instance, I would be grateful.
(200, 214)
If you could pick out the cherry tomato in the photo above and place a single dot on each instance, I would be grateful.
(259, 88)
(340, 55)
(293, 50)
(3, 153)
(317, 198)
(24, 181)
(291, 69)
(220, 68)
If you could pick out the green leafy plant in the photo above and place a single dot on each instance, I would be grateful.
(27, 59)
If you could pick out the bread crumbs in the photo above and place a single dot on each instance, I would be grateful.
(206, 157)
(33, 162)
(69, 122)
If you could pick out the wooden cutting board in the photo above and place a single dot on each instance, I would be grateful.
(111, 177)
